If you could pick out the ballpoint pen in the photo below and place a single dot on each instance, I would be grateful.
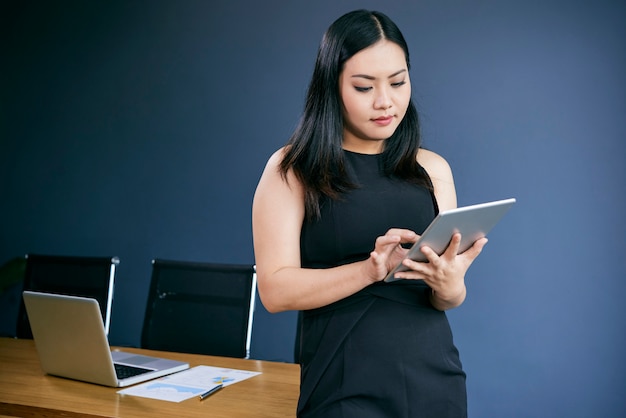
(210, 392)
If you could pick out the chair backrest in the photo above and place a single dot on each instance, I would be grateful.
(202, 308)
(298, 340)
(91, 277)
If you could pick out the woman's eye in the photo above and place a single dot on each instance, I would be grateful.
(398, 84)
(362, 89)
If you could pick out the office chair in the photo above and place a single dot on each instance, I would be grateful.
(201, 308)
(91, 277)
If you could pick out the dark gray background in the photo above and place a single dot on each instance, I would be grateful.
(140, 129)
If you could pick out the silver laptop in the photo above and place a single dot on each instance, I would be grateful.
(71, 342)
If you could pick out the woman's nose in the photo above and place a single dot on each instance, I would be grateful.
(383, 100)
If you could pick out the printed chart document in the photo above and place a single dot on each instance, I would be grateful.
(187, 384)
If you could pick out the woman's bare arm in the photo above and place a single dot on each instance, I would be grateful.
(277, 216)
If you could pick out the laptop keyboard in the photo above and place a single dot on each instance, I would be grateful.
(123, 371)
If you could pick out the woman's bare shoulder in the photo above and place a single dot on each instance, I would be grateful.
(277, 157)
(273, 164)
(274, 175)
(440, 174)
(434, 164)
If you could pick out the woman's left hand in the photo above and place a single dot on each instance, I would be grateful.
(445, 273)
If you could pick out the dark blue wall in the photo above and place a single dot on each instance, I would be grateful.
(140, 129)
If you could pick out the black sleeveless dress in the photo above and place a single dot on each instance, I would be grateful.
(384, 351)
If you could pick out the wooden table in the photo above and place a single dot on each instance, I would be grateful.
(25, 391)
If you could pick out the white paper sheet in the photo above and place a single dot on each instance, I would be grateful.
(183, 385)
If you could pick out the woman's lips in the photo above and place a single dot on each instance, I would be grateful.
(383, 120)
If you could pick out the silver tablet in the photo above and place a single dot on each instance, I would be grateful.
(473, 222)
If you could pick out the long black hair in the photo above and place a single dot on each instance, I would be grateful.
(314, 151)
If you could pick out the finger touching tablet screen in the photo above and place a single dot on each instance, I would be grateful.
(472, 222)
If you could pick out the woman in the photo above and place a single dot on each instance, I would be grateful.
(332, 215)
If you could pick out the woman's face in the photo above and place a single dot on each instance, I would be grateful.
(375, 90)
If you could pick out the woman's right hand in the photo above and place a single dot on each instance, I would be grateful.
(388, 252)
